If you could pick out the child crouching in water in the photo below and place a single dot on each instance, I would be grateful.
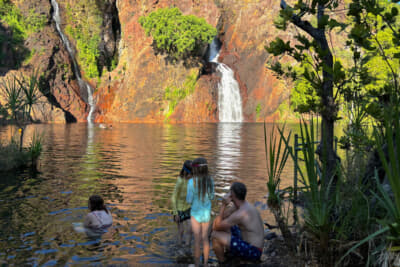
(180, 208)
(99, 218)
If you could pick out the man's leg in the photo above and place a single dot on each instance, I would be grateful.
(220, 241)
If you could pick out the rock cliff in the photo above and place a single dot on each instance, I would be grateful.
(134, 89)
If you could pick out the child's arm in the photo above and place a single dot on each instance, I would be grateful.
(189, 192)
(174, 197)
(88, 221)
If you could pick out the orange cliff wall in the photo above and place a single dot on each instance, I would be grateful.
(247, 27)
(134, 91)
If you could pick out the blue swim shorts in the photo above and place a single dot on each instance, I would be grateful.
(241, 248)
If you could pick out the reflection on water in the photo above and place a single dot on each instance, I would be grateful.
(134, 167)
(229, 153)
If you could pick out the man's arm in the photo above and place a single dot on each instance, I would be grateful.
(224, 222)
(229, 209)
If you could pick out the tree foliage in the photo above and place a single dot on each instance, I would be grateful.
(84, 26)
(21, 26)
(322, 72)
(376, 32)
(365, 84)
(177, 35)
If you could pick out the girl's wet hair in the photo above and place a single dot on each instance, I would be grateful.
(200, 171)
(186, 169)
(97, 203)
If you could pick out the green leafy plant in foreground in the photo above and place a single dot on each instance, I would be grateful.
(277, 153)
(319, 203)
(387, 200)
(320, 233)
(35, 148)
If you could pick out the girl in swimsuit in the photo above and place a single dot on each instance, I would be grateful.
(180, 208)
(99, 218)
(200, 192)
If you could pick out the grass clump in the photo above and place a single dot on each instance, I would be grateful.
(174, 94)
(13, 158)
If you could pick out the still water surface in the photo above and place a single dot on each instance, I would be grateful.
(134, 167)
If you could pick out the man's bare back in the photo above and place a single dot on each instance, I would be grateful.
(250, 224)
(238, 227)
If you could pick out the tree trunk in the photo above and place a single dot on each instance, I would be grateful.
(328, 112)
(290, 240)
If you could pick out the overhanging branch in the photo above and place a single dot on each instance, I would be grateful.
(304, 25)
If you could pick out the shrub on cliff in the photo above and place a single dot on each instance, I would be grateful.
(84, 22)
(19, 26)
(177, 35)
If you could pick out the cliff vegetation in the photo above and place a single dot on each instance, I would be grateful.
(178, 35)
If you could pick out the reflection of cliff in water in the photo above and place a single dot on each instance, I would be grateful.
(134, 167)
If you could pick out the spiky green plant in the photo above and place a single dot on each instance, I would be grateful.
(12, 94)
(319, 201)
(35, 148)
(21, 93)
(388, 201)
(277, 153)
(30, 87)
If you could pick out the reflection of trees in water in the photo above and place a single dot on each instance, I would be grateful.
(37, 211)
(134, 166)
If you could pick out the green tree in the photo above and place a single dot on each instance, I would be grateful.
(376, 32)
(177, 35)
(321, 71)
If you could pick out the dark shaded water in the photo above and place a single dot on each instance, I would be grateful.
(134, 167)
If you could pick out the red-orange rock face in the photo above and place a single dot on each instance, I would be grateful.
(247, 27)
(135, 93)
(60, 99)
(135, 90)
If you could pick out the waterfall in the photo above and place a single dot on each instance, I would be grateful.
(229, 100)
(82, 84)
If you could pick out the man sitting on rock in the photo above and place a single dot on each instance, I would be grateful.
(239, 231)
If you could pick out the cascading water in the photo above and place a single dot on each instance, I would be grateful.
(229, 100)
(82, 84)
